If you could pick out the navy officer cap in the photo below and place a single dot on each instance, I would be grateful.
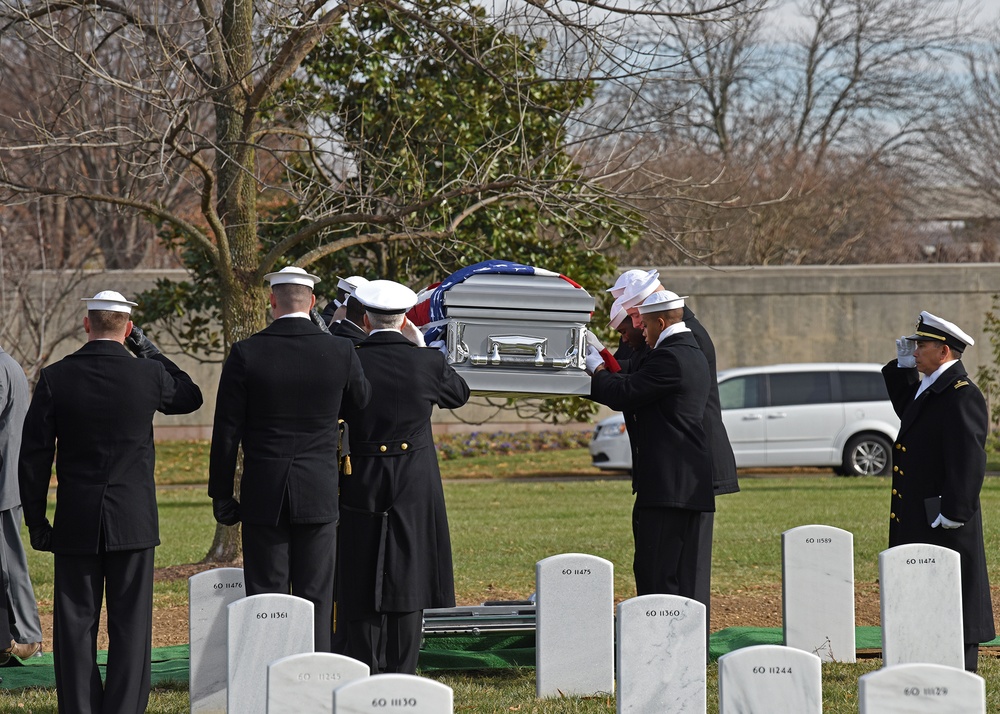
(385, 297)
(931, 328)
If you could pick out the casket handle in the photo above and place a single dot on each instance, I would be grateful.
(519, 351)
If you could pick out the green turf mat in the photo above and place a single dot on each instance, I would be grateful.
(490, 651)
(169, 664)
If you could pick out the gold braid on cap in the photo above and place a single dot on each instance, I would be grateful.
(933, 337)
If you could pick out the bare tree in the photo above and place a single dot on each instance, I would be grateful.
(37, 279)
(864, 75)
(809, 135)
(964, 139)
(189, 94)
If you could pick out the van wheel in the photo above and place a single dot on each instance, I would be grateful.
(867, 455)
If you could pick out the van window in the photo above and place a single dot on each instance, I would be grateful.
(863, 387)
(740, 392)
(789, 388)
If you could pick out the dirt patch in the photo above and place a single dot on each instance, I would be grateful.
(761, 607)
(752, 607)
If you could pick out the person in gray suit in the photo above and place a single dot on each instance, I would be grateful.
(25, 628)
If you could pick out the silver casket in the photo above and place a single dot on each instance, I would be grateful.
(519, 335)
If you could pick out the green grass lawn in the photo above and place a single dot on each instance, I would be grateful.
(502, 527)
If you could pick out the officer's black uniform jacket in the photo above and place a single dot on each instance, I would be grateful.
(724, 476)
(394, 541)
(280, 395)
(667, 394)
(96, 405)
(628, 359)
(723, 460)
(940, 452)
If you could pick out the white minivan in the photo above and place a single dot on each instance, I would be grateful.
(812, 414)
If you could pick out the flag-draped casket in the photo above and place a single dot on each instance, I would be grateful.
(510, 329)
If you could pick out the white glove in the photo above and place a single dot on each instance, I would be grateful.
(412, 333)
(945, 522)
(592, 341)
(593, 359)
(439, 345)
(904, 352)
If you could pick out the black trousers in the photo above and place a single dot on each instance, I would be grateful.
(294, 559)
(667, 551)
(703, 577)
(125, 580)
(386, 642)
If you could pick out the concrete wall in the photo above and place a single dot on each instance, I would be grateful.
(759, 315)
(767, 315)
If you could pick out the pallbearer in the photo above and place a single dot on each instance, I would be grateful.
(666, 394)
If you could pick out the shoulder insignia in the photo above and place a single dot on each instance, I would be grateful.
(961, 383)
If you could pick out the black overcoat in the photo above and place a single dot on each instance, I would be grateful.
(666, 395)
(395, 550)
(280, 395)
(940, 452)
(97, 406)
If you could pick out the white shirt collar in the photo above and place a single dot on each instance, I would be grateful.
(385, 329)
(674, 329)
(295, 314)
(927, 381)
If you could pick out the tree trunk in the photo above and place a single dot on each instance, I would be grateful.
(243, 295)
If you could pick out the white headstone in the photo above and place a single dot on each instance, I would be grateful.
(772, 679)
(392, 694)
(263, 628)
(817, 591)
(304, 683)
(921, 601)
(209, 593)
(661, 655)
(921, 689)
(574, 626)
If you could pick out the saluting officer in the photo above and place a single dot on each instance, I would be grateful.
(280, 395)
(336, 309)
(93, 412)
(939, 461)
(352, 326)
(394, 531)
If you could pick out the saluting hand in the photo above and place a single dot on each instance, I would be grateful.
(140, 345)
(904, 352)
(412, 333)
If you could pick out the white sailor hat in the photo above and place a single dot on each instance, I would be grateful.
(111, 301)
(618, 313)
(349, 285)
(638, 290)
(933, 328)
(293, 275)
(660, 301)
(629, 276)
(386, 297)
